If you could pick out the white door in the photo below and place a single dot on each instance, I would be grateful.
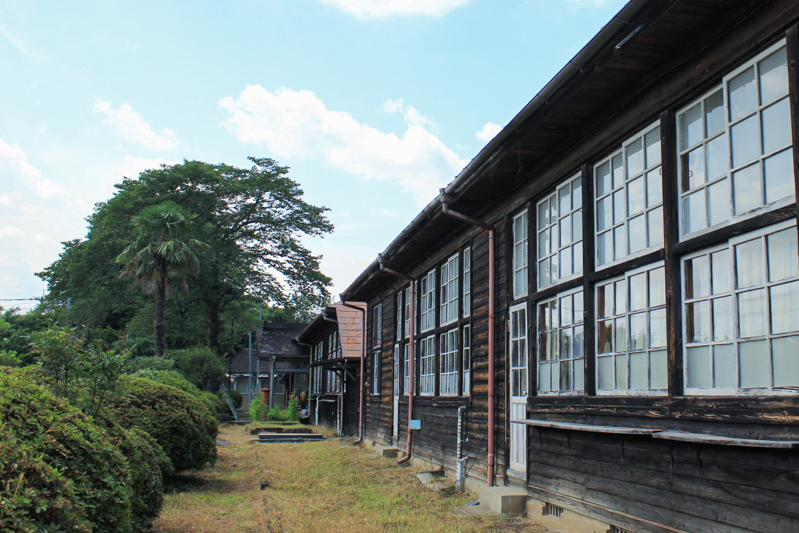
(518, 387)
(397, 366)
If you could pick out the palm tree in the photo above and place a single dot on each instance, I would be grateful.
(164, 249)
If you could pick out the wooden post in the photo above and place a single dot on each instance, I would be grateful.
(671, 237)
(589, 314)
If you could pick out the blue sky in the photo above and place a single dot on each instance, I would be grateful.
(374, 104)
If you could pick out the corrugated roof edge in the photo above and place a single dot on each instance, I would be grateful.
(604, 38)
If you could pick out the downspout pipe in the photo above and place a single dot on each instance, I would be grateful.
(447, 210)
(412, 366)
(363, 368)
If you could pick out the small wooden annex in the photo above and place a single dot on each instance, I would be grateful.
(645, 284)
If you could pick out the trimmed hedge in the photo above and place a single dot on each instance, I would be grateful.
(58, 470)
(176, 379)
(180, 423)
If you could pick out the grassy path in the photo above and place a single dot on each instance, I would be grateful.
(327, 486)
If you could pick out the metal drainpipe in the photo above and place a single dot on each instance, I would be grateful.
(459, 450)
(363, 367)
(445, 203)
(412, 366)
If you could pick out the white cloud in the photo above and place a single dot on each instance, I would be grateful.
(409, 113)
(13, 162)
(367, 9)
(488, 132)
(297, 124)
(131, 126)
(132, 166)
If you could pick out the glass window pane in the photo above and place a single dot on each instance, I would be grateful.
(604, 248)
(579, 375)
(578, 342)
(697, 277)
(605, 372)
(657, 287)
(652, 142)
(638, 233)
(717, 157)
(745, 141)
(544, 378)
(543, 244)
(654, 188)
(565, 231)
(565, 375)
(779, 176)
(577, 193)
(658, 365)
(753, 366)
(743, 94)
(621, 335)
(776, 126)
(638, 292)
(621, 371)
(697, 321)
(635, 158)
(657, 328)
(693, 213)
(604, 214)
(603, 185)
(577, 226)
(694, 169)
(752, 313)
(655, 226)
(577, 251)
(543, 273)
(621, 297)
(719, 202)
(722, 319)
(773, 76)
(782, 255)
(620, 242)
(714, 113)
(785, 357)
(636, 201)
(565, 263)
(638, 331)
(691, 127)
(619, 209)
(543, 214)
(605, 337)
(722, 281)
(724, 375)
(578, 306)
(639, 370)
(565, 200)
(566, 311)
(617, 169)
(698, 367)
(746, 185)
(605, 301)
(566, 341)
(785, 308)
(749, 264)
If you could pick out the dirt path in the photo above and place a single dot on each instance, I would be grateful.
(328, 486)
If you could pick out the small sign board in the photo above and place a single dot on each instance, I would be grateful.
(416, 424)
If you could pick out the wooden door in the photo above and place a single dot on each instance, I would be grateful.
(518, 385)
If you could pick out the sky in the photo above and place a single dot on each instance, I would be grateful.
(373, 104)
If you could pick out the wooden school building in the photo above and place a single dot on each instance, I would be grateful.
(608, 294)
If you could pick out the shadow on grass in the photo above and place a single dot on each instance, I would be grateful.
(195, 482)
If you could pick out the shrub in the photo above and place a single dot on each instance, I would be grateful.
(201, 365)
(65, 471)
(236, 397)
(179, 423)
(152, 363)
(258, 409)
(177, 380)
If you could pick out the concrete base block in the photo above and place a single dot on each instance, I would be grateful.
(506, 500)
(559, 519)
(387, 451)
(474, 510)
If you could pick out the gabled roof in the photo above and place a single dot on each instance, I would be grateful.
(637, 50)
(278, 339)
(350, 324)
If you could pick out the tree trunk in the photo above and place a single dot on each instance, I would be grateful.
(159, 333)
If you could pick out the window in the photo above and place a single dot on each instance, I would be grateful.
(518, 350)
(317, 370)
(520, 258)
(427, 360)
(407, 299)
(741, 314)
(561, 353)
(406, 368)
(467, 281)
(376, 372)
(332, 378)
(466, 362)
(560, 233)
(377, 325)
(449, 291)
(428, 301)
(735, 145)
(398, 316)
(631, 331)
(449, 363)
(629, 198)
(397, 367)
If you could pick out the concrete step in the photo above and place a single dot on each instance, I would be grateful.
(434, 480)
(510, 501)
(288, 437)
(474, 510)
(387, 451)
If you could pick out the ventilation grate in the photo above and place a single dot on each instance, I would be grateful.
(552, 510)
(617, 529)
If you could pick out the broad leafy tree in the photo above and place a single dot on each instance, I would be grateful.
(164, 250)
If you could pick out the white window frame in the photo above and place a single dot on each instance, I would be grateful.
(559, 234)
(616, 198)
(376, 372)
(332, 378)
(466, 359)
(397, 365)
(563, 331)
(427, 315)
(519, 344)
(427, 366)
(406, 369)
(725, 181)
(467, 281)
(377, 325)
(406, 298)
(621, 317)
(448, 371)
(317, 370)
(520, 255)
(398, 322)
(736, 339)
(449, 290)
